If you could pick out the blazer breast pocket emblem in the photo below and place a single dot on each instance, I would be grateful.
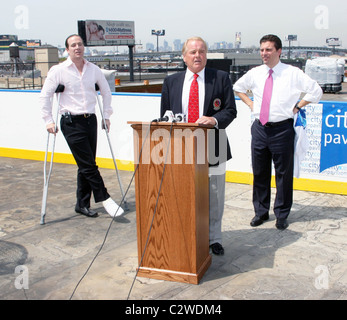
(217, 103)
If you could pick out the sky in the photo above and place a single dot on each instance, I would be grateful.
(214, 20)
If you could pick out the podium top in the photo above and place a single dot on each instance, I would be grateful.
(168, 124)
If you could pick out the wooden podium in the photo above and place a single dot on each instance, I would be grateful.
(177, 219)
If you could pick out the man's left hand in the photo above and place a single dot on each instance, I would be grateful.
(207, 120)
(108, 124)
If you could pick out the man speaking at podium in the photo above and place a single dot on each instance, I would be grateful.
(206, 96)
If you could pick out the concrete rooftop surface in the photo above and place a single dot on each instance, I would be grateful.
(79, 258)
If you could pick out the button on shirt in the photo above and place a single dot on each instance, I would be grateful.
(79, 95)
(288, 84)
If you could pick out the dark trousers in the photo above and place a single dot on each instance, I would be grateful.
(81, 136)
(273, 144)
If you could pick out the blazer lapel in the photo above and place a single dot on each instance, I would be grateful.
(209, 84)
(179, 91)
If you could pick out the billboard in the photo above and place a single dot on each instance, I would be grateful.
(291, 37)
(8, 37)
(158, 32)
(107, 33)
(33, 43)
(333, 42)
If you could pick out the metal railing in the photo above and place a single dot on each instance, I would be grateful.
(30, 75)
(20, 75)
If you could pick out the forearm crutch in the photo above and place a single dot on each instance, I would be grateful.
(46, 177)
(109, 142)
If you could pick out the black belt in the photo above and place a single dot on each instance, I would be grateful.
(78, 116)
(276, 124)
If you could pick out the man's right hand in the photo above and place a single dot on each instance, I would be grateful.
(51, 128)
(244, 97)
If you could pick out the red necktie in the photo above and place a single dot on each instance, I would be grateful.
(193, 106)
(265, 105)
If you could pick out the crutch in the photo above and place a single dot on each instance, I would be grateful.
(46, 177)
(109, 142)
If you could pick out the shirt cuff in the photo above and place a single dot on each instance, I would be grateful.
(216, 125)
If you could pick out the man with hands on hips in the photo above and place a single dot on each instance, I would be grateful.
(276, 89)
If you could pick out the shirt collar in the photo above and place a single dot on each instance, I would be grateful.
(276, 68)
(201, 74)
(69, 61)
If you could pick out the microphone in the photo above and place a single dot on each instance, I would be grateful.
(168, 117)
(165, 118)
(180, 117)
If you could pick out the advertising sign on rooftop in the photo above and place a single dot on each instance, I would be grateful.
(107, 33)
(333, 42)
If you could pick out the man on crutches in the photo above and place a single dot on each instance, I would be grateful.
(78, 121)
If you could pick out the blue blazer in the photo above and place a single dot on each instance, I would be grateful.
(219, 103)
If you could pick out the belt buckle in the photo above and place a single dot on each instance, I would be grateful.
(86, 115)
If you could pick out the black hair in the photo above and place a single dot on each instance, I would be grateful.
(272, 38)
(70, 36)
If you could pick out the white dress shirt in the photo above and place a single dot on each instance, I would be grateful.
(79, 95)
(289, 83)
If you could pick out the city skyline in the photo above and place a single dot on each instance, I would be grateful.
(312, 21)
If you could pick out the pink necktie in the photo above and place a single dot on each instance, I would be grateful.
(193, 105)
(265, 105)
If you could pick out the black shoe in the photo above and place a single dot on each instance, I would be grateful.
(217, 249)
(282, 224)
(257, 221)
(87, 212)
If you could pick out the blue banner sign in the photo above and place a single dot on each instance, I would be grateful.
(334, 135)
